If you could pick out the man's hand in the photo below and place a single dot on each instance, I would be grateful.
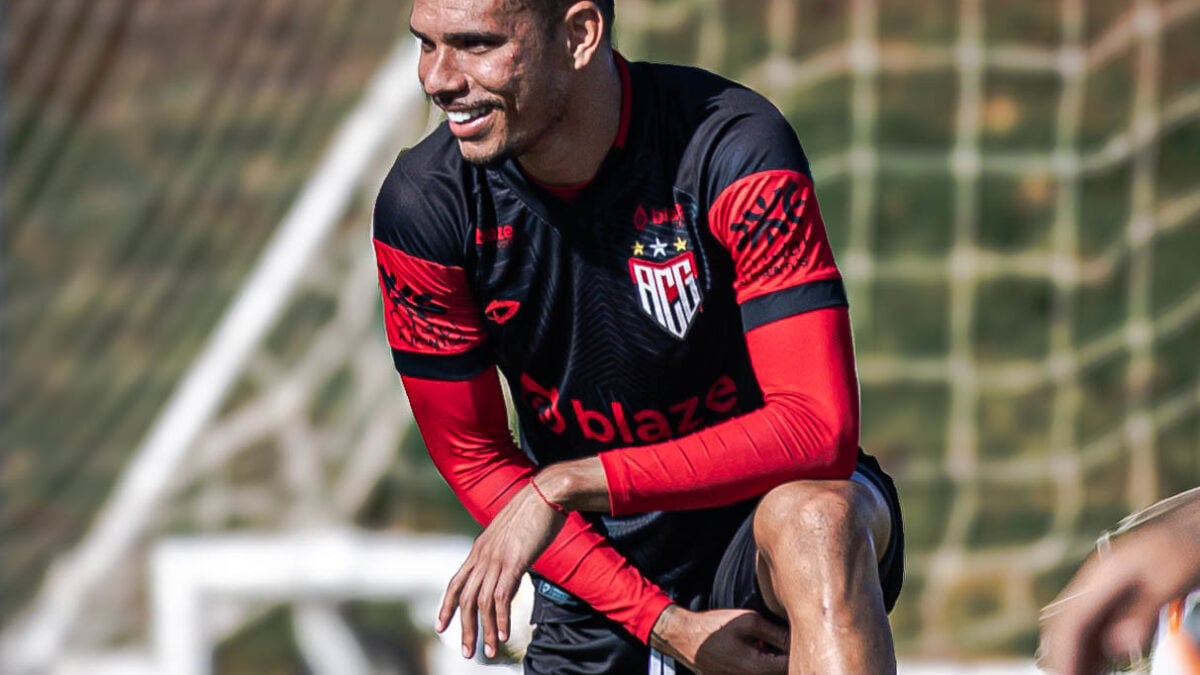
(483, 588)
(1110, 608)
(720, 641)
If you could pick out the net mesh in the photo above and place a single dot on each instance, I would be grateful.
(1012, 191)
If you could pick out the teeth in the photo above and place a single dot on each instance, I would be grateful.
(466, 116)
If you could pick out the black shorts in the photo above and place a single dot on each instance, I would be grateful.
(570, 638)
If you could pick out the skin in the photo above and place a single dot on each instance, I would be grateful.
(1110, 608)
(553, 100)
(551, 96)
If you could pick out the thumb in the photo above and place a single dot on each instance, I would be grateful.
(770, 632)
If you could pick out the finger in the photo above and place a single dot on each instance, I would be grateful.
(771, 633)
(1072, 628)
(767, 663)
(450, 599)
(469, 613)
(487, 612)
(1129, 635)
(504, 597)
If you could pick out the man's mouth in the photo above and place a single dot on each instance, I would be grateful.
(464, 116)
(467, 123)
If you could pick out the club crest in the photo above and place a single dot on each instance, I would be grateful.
(668, 290)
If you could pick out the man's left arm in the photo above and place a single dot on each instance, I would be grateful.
(799, 341)
(806, 428)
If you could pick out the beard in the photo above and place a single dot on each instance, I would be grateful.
(513, 144)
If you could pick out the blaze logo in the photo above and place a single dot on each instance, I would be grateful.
(501, 311)
(543, 402)
(614, 423)
(669, 291)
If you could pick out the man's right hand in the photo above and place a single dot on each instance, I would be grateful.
(722, 641)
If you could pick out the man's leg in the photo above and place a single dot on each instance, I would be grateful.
(819, 545)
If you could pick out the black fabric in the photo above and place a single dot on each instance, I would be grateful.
(792, 301)
(462, 366)
(581, 642)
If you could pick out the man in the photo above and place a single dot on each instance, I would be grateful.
(640, 251)
(1110, 608)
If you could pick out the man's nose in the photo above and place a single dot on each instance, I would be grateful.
(441, 77)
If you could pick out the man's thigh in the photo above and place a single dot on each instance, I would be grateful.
(736, 584)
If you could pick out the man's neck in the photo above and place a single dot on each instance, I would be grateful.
(573, 152)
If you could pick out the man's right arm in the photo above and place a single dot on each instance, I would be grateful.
(464, 424)
(435, 330)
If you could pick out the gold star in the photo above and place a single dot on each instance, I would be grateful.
(638, 249)
(680, 244)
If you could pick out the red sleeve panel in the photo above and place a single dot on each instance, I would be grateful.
(807, 427)
(465, 428)
(771, 224)
(434, 326)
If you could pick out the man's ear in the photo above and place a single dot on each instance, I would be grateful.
(585, 32)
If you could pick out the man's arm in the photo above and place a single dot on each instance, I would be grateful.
(465, 428)
(807, 428)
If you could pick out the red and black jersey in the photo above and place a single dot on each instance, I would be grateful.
(620, 319)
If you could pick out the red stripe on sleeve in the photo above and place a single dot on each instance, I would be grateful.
(806, 428)
(465, 427)
(428, 308)
(771, 224)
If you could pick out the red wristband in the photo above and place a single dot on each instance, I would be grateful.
(536, 489)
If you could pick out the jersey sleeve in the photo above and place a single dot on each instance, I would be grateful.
(465, 428)
(807, 427)
(433, 322)
(763, 208)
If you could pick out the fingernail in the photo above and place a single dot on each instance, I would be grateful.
(503, 636)
(466, 652)
(489, 650)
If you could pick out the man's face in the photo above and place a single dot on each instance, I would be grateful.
(491, 66)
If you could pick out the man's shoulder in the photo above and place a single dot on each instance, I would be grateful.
(725, 129)
(435, 160)
(421, 204)
(710, 94)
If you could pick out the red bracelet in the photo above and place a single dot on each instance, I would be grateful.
(556, 507)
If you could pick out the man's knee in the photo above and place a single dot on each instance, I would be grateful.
(827, 515)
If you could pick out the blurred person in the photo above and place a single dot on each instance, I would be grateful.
(1111, 606)
(639, 249)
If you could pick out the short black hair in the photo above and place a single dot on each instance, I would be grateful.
(552, 12)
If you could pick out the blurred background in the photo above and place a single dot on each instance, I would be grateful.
(207, 455)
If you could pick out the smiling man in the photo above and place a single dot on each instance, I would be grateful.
(639, 250)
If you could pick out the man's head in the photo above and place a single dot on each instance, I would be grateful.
(553, 12)
(504, 70)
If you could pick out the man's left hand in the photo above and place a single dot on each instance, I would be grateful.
(483, 588)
